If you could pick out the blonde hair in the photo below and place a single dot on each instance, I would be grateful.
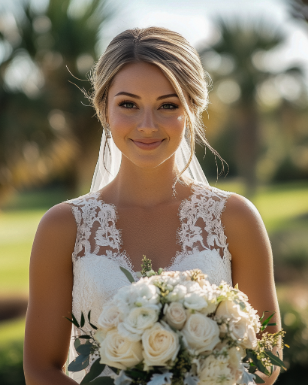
(178, 60)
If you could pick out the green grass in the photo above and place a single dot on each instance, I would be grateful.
(12, 330)
(17, 231)
(281, 206)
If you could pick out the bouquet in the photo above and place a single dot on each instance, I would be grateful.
(176, 328)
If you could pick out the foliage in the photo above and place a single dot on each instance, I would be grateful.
(43, 123)
(239, 74)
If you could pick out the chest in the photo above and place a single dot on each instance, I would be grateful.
(150, 232)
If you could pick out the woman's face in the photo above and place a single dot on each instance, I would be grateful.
(145, 115)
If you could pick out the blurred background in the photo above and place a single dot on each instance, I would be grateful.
(257, 56)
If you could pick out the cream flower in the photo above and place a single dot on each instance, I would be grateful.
(160, 345)
(175, 315)
(215, 371)
(110, 317)
(200, 333)
(139, 319)
(119, 352)
(177, 294)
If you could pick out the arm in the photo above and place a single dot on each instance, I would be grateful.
(47, 333)
(252, 261)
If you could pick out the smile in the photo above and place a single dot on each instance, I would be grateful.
(147, 144)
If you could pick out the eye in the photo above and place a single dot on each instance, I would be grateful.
(169, 106)
(127, 104)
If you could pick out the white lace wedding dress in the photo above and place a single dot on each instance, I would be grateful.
(97, 254)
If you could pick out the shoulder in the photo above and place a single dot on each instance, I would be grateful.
(241, 215)
(58, 222)
(245, 230)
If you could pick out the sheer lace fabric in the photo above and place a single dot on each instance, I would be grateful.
(97, 254)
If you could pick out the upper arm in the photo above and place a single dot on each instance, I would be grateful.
(252, 260)
(50, 293)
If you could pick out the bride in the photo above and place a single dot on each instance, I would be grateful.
(149, 197)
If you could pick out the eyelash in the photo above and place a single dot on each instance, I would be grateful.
(175, 106)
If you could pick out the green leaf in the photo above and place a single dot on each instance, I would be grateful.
(75, 322)
(128, 274)
(89, 315)
(258, 363)
(84, 349)
(77, 343)
(82, 320)
(275, 360)
(265, 323)
(95, 370)
(80, 363)
(115, 370)
(101, 381)
(85, 337)
(93, 326)
(258, 380)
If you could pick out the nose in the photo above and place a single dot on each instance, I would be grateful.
(147, 124)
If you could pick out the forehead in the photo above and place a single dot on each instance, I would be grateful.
(141, 77)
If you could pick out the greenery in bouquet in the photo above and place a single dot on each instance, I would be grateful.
(176, 328)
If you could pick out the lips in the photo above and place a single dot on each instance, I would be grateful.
(147, 143)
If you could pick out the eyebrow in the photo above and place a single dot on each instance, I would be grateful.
(138, 97)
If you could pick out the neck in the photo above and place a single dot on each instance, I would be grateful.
(136, 186)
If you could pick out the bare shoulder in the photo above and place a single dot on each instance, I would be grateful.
(59, 220)
(244, 228)
(56, 234)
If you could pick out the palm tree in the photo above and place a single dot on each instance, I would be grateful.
(237, 78)
(45, 128)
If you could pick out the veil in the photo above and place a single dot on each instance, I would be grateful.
(111, 159)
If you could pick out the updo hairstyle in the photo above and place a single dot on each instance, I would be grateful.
(177, 59)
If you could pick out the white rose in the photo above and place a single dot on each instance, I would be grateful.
(216, 371)
(139, 319)
(110, 317)
(242, 330)
(119, 352)
(175, 315)
(250, 340)
(201, 333)
(160, 345)
(230, 309)
(177, 294)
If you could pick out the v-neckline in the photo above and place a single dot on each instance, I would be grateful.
(182, 204)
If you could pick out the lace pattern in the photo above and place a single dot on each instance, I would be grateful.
(97, 256)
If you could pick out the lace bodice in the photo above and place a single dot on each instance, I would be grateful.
(97, 255)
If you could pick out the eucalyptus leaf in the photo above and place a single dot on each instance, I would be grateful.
(82, 320)
(77, 343)
(275, 360)
(85, 337)
(258, 380)
(75, 322)
(84, 349)
(93, 326)
(101, 381)
(80, 363)
(115, 370)
(258, 363)
(89, 316)
(95, 370)
(128, 274)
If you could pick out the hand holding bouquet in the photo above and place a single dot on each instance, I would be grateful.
(177, 328)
